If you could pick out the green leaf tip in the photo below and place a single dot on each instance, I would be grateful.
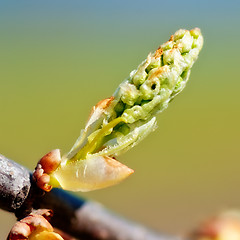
(118, 123)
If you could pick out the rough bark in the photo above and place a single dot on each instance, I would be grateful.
(14, 184)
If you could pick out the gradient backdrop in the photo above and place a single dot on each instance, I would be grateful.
(59, 58)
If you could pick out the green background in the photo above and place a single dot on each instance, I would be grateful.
(59, 58)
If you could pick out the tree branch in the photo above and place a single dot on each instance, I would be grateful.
(14, 184)
(73, 215)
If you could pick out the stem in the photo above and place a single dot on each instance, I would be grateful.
(91, 146)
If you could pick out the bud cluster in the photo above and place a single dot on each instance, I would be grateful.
(118, 123)
(130, 114)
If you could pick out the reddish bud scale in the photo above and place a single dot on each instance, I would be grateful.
(46, 165)
(33, 222)
(50, 161)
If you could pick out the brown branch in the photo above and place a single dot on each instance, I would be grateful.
(73, 215)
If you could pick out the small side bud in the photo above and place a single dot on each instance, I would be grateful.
(43, 182)
(50, 161)
(34, 227)
(46, 165)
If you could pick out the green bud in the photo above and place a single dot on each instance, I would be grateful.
(129, 93)
(179, 34)
(139, 77)
(167, 46)
(196, 33)
(155, 63)
(133, 114)
(150, 88)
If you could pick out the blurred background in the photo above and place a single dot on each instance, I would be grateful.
(59, 58)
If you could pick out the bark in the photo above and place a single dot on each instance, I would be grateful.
(14, 184)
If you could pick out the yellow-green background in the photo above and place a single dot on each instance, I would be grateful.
(59, 58)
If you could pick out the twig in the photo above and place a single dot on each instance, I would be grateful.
(80, 218)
